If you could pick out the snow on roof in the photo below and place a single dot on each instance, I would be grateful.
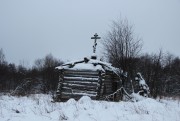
(84, 66)
(90, 64)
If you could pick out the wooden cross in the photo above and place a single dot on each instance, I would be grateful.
(95, 43)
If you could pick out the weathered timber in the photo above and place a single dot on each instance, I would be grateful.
(75, 84)
(94, 83)
(82, 72)
(80, 83)
(80, 94)
(80, 79)
(78, 91)
(80, 88)
(79, 75)
(83, 82)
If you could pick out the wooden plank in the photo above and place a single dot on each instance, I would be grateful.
(81, 75)
(80, 83)
(78, 94)
(80, 88)
(81, 72)
(81, 79)
(75, 85)
(74, 91)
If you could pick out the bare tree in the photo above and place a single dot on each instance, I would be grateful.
(157, 73)
(2, 56)
(121, 45)
(39, 64)
(46, 69)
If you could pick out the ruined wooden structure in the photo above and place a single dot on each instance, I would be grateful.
(88, 77)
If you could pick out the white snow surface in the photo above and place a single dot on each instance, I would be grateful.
(88, 66)
(40, 108)
(81, 66)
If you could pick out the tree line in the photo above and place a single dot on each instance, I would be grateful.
(12, 75)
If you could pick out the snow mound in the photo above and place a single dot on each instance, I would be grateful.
(137, 97)
(85, 99)
(71, 101)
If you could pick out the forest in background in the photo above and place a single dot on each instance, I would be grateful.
(161, 72)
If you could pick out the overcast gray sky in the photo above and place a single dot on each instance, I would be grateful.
(30, 29)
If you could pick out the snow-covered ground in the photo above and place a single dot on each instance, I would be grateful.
(40, 108)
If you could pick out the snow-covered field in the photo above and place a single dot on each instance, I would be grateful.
(40, 108)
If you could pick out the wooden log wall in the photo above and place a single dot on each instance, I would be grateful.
(76, 84)
(95, 84)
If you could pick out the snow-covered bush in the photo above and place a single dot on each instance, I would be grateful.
(143, 87)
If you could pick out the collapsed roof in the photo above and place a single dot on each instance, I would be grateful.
(91, 65)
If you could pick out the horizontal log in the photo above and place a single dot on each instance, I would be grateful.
(88, 88)
(75, 85)
(66, 82)
(81, 75)
(82, 72)
(81, 79)
(74, 91)
(79, 85)
(81, 82)
(78, 94)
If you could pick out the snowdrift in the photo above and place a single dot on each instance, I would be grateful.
(40, 108)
